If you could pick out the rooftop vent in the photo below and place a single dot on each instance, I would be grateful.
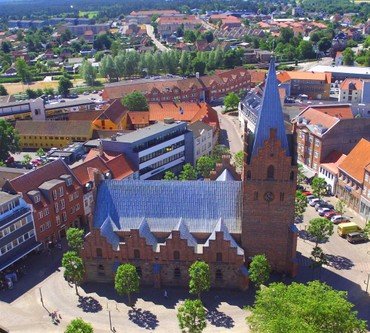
(168, 120)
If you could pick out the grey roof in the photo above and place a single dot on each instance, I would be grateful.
(225, 176)
(13, 170)
(50, 184)
(271, 114)
(68, 104)
(198, 127)
(162, 204)
(5, 197)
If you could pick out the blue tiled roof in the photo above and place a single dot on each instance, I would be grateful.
(225, 176)
(163, 203)
(185, 234)
(107, 230)
(271, 114)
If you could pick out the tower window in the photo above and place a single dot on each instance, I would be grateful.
(136, 254)
(99, 252)
(291, 175)
(219, 256)
(281, 196)
(219, 275)
(271, 172)
(249, 174)
(176, 255)
(177, 273)
(255, 196)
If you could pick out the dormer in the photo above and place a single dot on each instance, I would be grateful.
(68, 179)
(108, 175)
(35, 196)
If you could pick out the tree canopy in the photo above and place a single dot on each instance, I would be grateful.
(192, 316)
(200, 278)
(64, 85)
(299, 308)
(3, 91)
(9, 140)
(88, 73)
(204, 166)
(74, 269)
(135, 101)
(79, 326)
(75, 239)
(188, 172)
(320, 229)
(259, 270)
(127, 280)
(231, 101)
(319, 187)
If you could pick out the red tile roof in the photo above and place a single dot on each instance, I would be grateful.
(332, 161)
(84, 171)
(343, 111)
(115, 111)
(120, 166)
(356, 84)
(300, 75)
(138, 118)
(357, 160)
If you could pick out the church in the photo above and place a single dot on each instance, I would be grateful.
(162, 227)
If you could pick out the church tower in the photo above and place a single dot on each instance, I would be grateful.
(269, 184)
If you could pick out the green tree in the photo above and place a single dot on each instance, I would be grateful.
(27, 159)
(127, 280)
(348, 57)
(3, 91)
(324, 44)
(319, 187)
(367, 229)
(75, 239)
(64, 85)
(40, 152)
(74, 269)
(315, 307)
(108, 68)
(23, 70)
(239, 160)
(199, 66)
(259, 270)
(200, 278)
(231, 101)
(135, 101)
(169, 175)
(88, 72)
(286, 35)
(31, 94)
(205, 164)
(192, 316)
(208, 36)
(340, 207)
(300, 175)
(188, 172)
(218, 151)
(300, 204)
(320, 229)
(305, 50)
(189, 36)
(79, 326)
(9, 140)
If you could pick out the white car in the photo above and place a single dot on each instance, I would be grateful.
(313, 202)
(336, 219)
(323, 210)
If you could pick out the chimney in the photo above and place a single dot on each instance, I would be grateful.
(100, 148)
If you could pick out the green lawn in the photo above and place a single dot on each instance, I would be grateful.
(90, 14)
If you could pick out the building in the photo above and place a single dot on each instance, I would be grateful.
(48, 134)
(341, 73)
(350, 91)
(17, 231)
(153, 150)
(202, 138)
(365, 196)
(145, 16)
(322, 129)
(113, 117)
(80, 29)
(314, 85)
(162, 227)
(7, 173)
(167, 25)
(55, 196)
(351, 180)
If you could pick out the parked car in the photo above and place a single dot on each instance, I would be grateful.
(336, 219)
(85, 93)
(323, 204)
(323, 210)
(357, 237)
(310, 197)
(314, 201)
(307, 193)
(300, 188)
(330, 214)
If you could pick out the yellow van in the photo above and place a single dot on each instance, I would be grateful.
(346, 228)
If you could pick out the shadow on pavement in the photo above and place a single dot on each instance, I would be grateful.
(224, 138)
(339, 262)
(89, 304)
(306, 236)
(219, 319)
(143, 318)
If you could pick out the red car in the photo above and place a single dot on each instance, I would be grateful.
(306, 193)
(330, 214)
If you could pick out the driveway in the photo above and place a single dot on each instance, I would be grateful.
(157, 43)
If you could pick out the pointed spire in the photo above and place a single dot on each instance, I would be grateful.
(271, 114)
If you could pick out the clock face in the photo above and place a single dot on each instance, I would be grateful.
(269, 196)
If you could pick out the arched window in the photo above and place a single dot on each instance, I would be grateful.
(271, 172)
(291, 175)
(176, 255)
(136, 254)
(219, 275)
(177, 273)
(138, 270)
(281, 196)
(249, 174)
(99, 252)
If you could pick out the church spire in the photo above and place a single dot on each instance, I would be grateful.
(271, 114)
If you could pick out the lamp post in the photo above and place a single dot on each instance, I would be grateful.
(367, 282)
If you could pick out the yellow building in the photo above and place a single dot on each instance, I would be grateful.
(114, 117)
(48, 134)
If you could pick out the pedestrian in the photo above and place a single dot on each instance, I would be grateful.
(165, 294)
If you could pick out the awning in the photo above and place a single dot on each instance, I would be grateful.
(308, 173)
(19, 256)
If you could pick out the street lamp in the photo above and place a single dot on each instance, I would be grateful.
(367, 282)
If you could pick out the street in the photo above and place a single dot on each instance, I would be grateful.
(157, 43)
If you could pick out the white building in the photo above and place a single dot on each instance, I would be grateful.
(350, 90)
(203, 139)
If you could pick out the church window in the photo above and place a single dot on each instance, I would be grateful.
(219, 275)
(249, 174)
(281, 196)
(101, 271)
(271, 172)
(99, 252)
(255, 196)
(139, 271)
(177, 273)
(219, 256)
(136, 254)
(176, 255)
(291, 175)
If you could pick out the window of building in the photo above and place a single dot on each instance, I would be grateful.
(61, 191)
(271, 172)
(99, 252)
(219, 275)
(219, 256)
(46, 211)
(55, 195)
(255, 196)
(42, 227)
(176, 255)
(62, 204)
(136, 254)
(57, 220)
(177, 273)
(101, 270)
(56, 206)
(281, 196)
(41, 214)
(48, 225)
(70, 197)
(64, 216)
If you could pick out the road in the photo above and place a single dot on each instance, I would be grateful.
(306, 66)
(230, 131)
(157, 43)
